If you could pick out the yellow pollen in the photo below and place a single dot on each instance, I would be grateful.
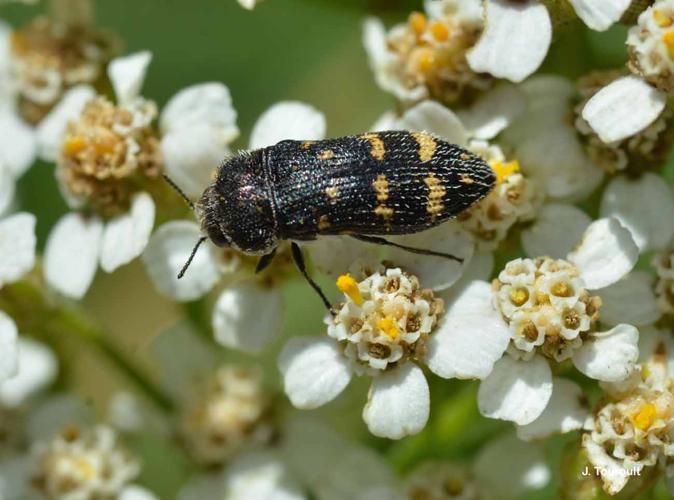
(85, 467)
(661, 19)
(668, 40)
(423, 59)
(645, 417)
(645, 372)
(417, 22)
(519, 296)
(348, 286)
(440, 31)
(74, 145)
(504, 170)
(389, 327)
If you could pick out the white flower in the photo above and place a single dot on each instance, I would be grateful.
(311, 460)
(69, 458)
(248, 4)
(95, 174)
(552, 316)
(628, 105)
(246, 315)
(427, 55)
(386, 325)
(633, 429)
(547, 145)
(517, 35)
(487, 477)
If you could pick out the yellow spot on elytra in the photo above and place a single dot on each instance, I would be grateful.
(436, 192)
(466, 179)
(383, 211)
(504, 170)
(645, 417)
(380, 186)
(331, 192)
(326, 154)
(323, 222)
(662, 19)
(307, 144)
(348, 286)
(440, 31)
(377, 149)
(73, 145)
(389, 327)
(427, 145)
(417, 22)
(668, 40)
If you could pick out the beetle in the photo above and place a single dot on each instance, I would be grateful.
(364, 186)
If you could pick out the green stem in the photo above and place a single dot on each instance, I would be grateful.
(72, 322)
(35, 311)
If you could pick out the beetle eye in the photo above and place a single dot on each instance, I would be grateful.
(217, 237)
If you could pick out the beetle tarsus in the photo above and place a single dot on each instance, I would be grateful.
(299, 262)
(422, 251)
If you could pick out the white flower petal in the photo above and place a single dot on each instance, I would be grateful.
(287, 120)
(52, 129)
(470, 337)
(526, 467)
(398, 403)
(247, 316)
(166, 253)
(314, 370)
(385, 65)
(135, 492)
(557, 229)
(334, 255)
(7, 187)
(17, 246)
(17, 142)
(623, 108)
(433, 117)
(126, 236)
(630, 300)
(202, 104)
(565, 412)
(645, 206)
(260, 475)
(494, 111)
(609, 356)
(436, 273)
(600, 15)
(127, 75)
(600, 458)
(9, 349)
(606, 254)
(516, 390)
(193, 155)
(515, 40)
(37, 368)
(71, 254)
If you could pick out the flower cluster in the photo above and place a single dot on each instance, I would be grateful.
(548, 303)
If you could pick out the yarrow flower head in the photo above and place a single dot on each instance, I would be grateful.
(83, 463)
(632, 428)
(233, 416)
(630, 104)
(386, 326)
(110, 160)
(427, 55)
(552, 308)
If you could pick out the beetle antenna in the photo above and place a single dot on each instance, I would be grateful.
(191, 257)
(177, 189)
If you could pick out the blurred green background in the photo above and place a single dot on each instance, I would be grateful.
(307, 50)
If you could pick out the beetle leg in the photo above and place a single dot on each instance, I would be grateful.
(299, 262)
(264, 261)
(423, 251)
